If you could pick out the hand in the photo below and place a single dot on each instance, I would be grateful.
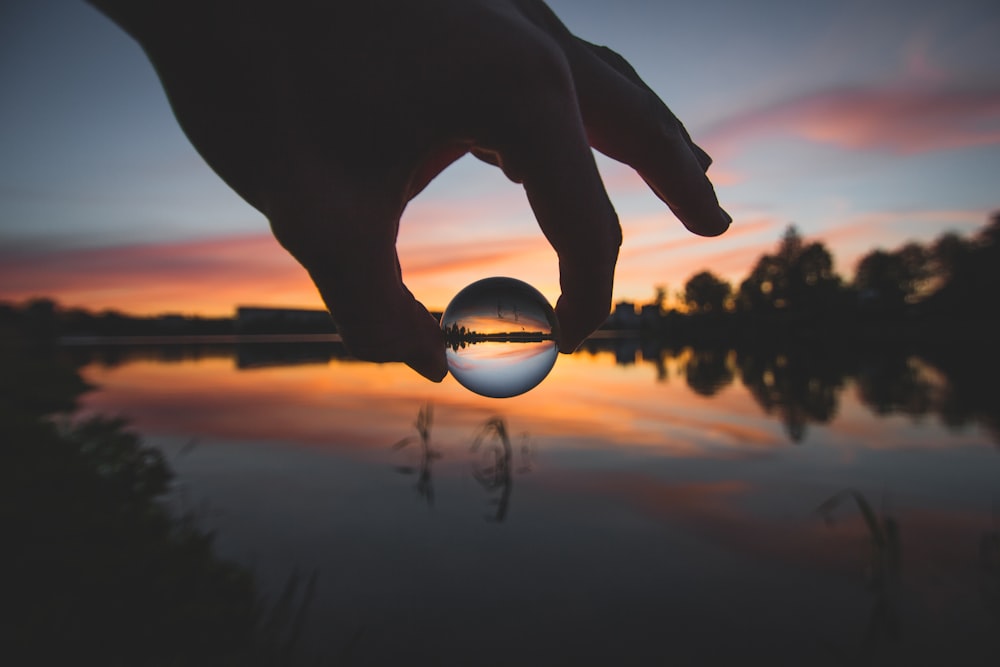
(329, 117)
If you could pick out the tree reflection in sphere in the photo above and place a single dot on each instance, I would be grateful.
(501, 337)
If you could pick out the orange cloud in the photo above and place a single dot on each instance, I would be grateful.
(444, 258)
(587, 402)
(900, 121)
(207, 276)
(212, 276)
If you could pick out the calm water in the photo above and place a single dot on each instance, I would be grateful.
(649, 506)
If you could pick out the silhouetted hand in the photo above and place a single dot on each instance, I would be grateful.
(329, 116)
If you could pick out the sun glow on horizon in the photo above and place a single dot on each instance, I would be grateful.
(212, 277)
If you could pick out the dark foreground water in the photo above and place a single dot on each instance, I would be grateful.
(640, 507)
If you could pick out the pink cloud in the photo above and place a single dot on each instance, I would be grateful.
(689, 241)
(673, 261)
(899, 121)
(856, 235)
(918, 58)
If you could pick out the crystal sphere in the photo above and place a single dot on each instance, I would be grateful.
(501, 337)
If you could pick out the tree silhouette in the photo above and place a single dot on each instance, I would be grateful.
(888, 281)
(812, 283)
(967, 274)
(950, 256)
(797, 277)
(706, 293)
(757, 291)
(660, 298)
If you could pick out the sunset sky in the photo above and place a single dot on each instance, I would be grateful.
(866, 124)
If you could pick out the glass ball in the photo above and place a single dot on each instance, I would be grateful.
(501, 337)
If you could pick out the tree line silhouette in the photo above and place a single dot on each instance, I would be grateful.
(457, 336)
(796, 333)
(795, 289)
(792, 290)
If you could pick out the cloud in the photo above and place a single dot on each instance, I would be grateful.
(898, 121)
(206, 276)
(645, 262)
(437, 259)
(211, 276)
(857, 234)
(689, 241)
(918, 58)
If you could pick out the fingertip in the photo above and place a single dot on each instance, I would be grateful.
(577, 321)
(704, 159)
(431, 365)
(709, 224)
(586, 276)
(569, 347)
(720, 225)
(568, 344)
(427, 356)
(405, 333)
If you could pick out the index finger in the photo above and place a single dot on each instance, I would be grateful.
(627, 121)
(541, 142)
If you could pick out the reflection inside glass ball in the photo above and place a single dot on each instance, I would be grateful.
(501, 337)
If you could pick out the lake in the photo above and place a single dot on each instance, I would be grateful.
(643, 505)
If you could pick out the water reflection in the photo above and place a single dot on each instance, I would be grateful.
(423, 424)
(665, 499)
(969, 394)
(797, 385)
(883, 568)
(891, 384)
(989, 559)
(493, 468)
(804, 384)
(100, 569)
(709, 370)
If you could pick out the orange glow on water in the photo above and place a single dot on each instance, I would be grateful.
(587, 401)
